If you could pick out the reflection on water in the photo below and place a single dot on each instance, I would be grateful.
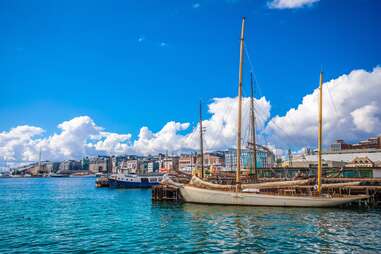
(61, 215)
(287, 229)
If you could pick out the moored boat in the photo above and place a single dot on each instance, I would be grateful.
(199, 195)
(134, 181)
(59, 175)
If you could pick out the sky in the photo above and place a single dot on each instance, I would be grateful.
(88, 77)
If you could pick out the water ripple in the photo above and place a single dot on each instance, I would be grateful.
(71, 215)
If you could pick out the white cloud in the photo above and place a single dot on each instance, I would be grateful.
(367, 118)
(163, 44)
(290, 4)
(221, 128)
(19, 143)
(80, 136)
(72, 141)
(196, 5)
(113, 143)
(352, 111)
(167, 139)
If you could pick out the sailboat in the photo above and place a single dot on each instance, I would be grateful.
(199, 191)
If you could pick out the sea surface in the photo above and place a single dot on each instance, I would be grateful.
(56, 215)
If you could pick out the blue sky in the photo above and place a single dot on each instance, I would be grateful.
(127, 64)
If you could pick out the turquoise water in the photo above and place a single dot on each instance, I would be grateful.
(55, 215)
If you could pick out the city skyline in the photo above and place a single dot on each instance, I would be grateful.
(121, 78)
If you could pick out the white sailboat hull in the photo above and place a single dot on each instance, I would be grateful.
(206, 196)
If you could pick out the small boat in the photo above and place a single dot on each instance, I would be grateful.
(199, 191)
(134, 181)
(59, 175)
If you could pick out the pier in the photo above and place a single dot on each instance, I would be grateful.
(166, 193)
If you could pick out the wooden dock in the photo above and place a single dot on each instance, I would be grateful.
(166, 193)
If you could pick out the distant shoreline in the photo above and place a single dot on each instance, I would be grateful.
(31, 177)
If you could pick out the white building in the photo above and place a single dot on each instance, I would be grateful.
(348, 155)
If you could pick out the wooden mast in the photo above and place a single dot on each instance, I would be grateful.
(252, 122)
(201, 144)
(238, 173)
(320, 132)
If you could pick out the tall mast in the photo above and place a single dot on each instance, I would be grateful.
(238, 173)
(201, 144)
(320, 131)
(252, 122)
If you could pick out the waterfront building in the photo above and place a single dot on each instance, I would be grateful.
(97, 165)
(265, 158)
(187, 162)
(101, 164)
(85, 163)
(363, 162)
(214, 159)
(122, 167)
(143, 166)
(170, 164)
(303, 163)
(51, 167)
(69, 165)
(132, 165)
(119, 163)
(370, 143)
(153, 166)
(347, 155)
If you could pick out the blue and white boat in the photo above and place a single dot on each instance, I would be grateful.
(134, 181)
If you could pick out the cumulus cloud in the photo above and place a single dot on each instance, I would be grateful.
(290, 4)
(80, 136)
(221, 128)
(73, 138)
(367, 118)
(19, 143)
(113, 143)
(351, 111)
(167, 139)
